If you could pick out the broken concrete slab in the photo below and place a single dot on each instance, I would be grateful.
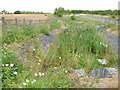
(103, 72)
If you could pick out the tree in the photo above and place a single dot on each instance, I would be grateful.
(59, 12)
(17, 12)
(4, 11)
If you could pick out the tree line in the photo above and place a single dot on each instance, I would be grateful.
(21, 12)
(60, 11)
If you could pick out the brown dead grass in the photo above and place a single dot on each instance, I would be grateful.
(115, 32)
(108, 82)
(91, 82)
(25, 16)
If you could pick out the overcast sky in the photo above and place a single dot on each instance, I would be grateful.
(50, 5)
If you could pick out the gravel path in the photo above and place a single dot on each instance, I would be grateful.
(102, 20)
(48, 39)
(113, 39)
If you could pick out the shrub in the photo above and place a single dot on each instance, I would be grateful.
(17, 12)
(113, 16)
(72, 17)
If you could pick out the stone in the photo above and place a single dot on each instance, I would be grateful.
(103, 72)
(80, 72)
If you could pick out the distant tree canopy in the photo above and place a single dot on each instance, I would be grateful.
(61, 11)
(17, 12)
(4, 11)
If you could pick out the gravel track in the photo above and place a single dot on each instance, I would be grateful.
(48, 39)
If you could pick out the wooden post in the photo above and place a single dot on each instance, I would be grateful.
(29, 22)
(3, 26)
(39, 21)
(24, 23)
(16, 23)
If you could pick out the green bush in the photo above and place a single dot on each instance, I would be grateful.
(113, 16)
(72, 17)
(17, 12)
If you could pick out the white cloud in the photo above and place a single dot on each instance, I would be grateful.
(50, 5)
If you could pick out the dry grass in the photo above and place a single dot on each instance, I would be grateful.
(25, 16)
(108, 82)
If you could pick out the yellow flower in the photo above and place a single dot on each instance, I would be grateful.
(51, 43)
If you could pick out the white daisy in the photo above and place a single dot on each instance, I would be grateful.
(55, 67)
(5, 53)
(11, 65)
(66, 71)
(59, 57)
(20, 87)
(106, 45)
(15, 73)
(33, 81)
(38, 63)
(40, 74)
(40, 60)
(24, 84)
(3, 65)
(27, 80)
(6, 65)
(36, 74)
(43, 74)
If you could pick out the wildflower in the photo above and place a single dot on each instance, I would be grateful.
(103, 44)
(16, 68)
(15, 73)
(40, 60)
(47, 45)
(34, 49)
(24, 84)
(0, 59)
(6, 65)
(20, 87)
(33, 81)
(31, 66)
(27, 80)
(36, 74)
(3, 65)
(66, 71)
(11, 65)
(55, 67)
(5, 53)
(38, 63)
(51, 43)
(40, 74)
(100, 43)
(106, 45)
(43, 74)
(102, 61)
(59, 57)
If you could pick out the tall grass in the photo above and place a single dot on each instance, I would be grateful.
(96, 23)
(77, 47)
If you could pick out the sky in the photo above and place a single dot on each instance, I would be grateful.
(50, 5)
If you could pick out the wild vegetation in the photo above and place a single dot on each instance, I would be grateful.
(77, 47)
(60, 11)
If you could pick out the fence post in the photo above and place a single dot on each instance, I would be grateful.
(3, 26)
(16, 23)
(39, 21)
(29, 22)
(24, 23)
